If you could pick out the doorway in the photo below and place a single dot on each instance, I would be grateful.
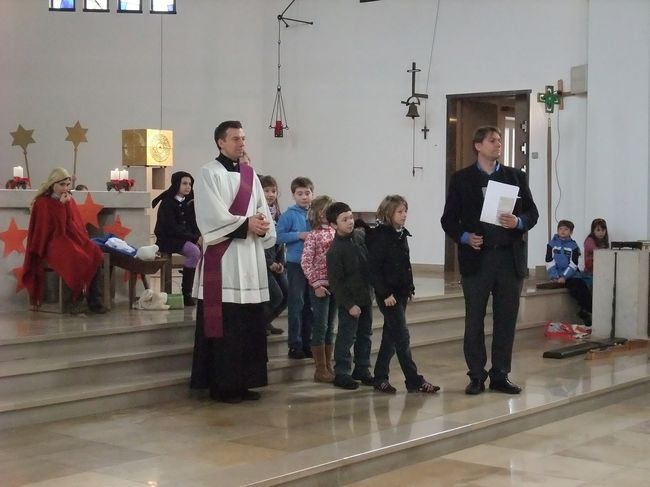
(507, 110)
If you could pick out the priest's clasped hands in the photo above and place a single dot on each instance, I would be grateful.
(258, 224)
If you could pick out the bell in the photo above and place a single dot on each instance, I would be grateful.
(413, 110)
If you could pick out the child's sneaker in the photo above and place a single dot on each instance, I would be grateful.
(384, 386)
(345, 382)
(365, 378)
(296, 353)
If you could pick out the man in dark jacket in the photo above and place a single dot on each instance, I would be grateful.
(349, 279)
(491, 259)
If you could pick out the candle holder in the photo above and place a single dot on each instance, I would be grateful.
(120, 184)
(19, 183)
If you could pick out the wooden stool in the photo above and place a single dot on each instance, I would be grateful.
(59, 305)
(174, 261)
(136, 267)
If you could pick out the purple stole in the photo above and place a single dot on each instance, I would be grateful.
(212, 279)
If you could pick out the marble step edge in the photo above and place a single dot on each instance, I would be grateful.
(417, 318)
(276, 363)
(434, 436)
(60, 395)
(97, 332)
(156, 380)
(34, 366)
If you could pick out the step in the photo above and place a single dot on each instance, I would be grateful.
(79, 400)
(44, 374)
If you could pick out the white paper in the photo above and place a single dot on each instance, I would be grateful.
(499, 198)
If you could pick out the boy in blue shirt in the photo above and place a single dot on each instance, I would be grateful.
(562, 256)
(292, 230)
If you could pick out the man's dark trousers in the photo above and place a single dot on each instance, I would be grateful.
(496, 276)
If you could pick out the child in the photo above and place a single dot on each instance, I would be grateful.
(275, 262)
(562, 255)
(314, 265)
(392, 278)
(347, 268)
(57, 236)
(176, 230)
(292, 230)
(597, 239)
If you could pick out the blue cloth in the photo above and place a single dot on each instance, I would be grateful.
(291, 223)
(101, 241)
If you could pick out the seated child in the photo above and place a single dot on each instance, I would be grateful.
(176, 229)
(57, 236)
(314, 265)
(349, 279)
(562, 256)
(597, 239)
(275, 261)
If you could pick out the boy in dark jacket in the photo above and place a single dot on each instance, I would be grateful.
(349, 279)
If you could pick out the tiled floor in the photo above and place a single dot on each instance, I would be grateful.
(193, 442)
(603, 448)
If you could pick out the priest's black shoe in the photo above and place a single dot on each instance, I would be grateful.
(247, 395)
(475, 386)
(227, 397)
(505, 386)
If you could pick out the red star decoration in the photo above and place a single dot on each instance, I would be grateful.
(13, 239)
(89, 211)
(18, 273)
(117, 228)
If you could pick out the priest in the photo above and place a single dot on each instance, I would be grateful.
(231, 283)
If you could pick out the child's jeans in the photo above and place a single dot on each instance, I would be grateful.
(324, 310)
(395, 339)
(278, 291)
(353, 332)
(300, 314)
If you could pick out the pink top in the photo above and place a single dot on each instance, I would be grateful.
(590, 245)
(314, 255)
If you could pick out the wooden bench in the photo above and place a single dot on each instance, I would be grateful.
(136, 267)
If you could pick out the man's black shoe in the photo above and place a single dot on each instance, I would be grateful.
(505, 386)
(273, 330)
(227, 397)
(247, 395)
(475, 386)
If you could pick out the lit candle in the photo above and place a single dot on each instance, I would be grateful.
(124, 174)
(18, 171)
(115, 174)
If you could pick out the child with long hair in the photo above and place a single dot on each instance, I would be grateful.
(314, 265)
(57, 236)
(597, 239)
(392, 279)
(176, 229)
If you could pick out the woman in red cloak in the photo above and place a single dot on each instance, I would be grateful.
(57, 236)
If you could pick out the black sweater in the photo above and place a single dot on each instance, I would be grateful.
(390, 262)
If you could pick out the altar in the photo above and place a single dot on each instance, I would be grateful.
(126, 214)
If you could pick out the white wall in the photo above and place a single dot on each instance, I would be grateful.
(619, 117)
(343, 79)
(345, 76)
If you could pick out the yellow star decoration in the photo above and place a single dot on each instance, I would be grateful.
(76, 134)
(22, 137)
